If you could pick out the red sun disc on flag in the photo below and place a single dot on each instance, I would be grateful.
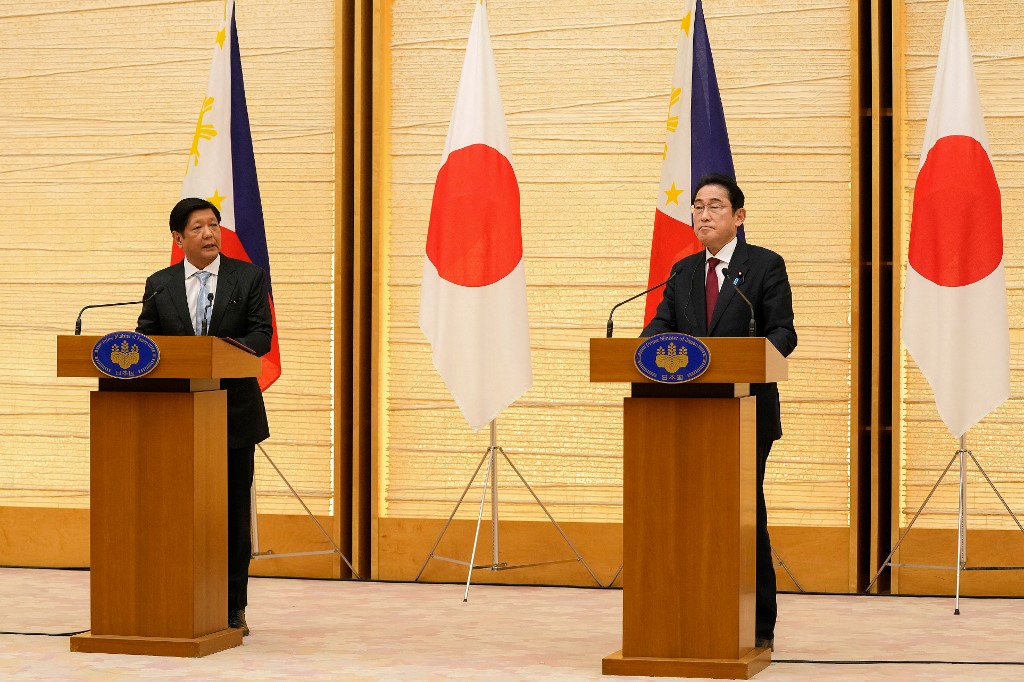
(475, 236)
(956, 233)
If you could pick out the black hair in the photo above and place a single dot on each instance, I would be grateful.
(186, 207)
(735, 193)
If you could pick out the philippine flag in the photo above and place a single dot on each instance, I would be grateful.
(222, 170)
(473, 296)
(696, 144)
(955, 322)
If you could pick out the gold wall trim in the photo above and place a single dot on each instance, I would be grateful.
(937, 547)
(59, 538)
(816, 556)
(44, 536)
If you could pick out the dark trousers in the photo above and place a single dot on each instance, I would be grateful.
(766, 610)
(240, 468)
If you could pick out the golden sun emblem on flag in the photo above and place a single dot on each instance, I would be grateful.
(673, 121)
(673, 359)
(204, 131)
(123, 356)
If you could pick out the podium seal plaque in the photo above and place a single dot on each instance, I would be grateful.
(125, 355)
(672, 358)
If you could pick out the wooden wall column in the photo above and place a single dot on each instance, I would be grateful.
(353, 268)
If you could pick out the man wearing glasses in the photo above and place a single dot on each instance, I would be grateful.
(701, 301)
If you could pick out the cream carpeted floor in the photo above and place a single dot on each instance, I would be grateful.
(322, 630)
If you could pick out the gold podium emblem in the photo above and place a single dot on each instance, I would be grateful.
(124, 356)
(671, 359)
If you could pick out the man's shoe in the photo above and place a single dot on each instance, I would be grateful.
(236, 619)
(759, 642)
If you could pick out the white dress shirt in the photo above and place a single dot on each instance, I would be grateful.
(192, 285)
(724, 254)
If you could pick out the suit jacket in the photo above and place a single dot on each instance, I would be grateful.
(766, 285)
(241, 311)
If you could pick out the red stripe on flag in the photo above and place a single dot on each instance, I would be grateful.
(231, 245)
(673, 240)
(271, 371)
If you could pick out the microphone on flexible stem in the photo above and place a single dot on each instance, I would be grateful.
(78, 320)
(737, 278)
(206, 313)
(608, 331)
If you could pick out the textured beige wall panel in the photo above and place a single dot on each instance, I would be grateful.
(100, 100)
(585, 89)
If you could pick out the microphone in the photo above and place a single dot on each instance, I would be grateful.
(737, 279)
(608, 331)
(206, 313)
(78, 320)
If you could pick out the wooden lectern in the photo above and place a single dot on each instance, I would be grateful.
(158, 521)
(689, 497)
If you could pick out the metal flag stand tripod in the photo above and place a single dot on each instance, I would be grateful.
(490, 482)
(961, 524)
(777, 561)
(271, 554)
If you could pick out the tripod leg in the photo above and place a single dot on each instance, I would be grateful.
(479, 519)
(444, 529)
(912, 521)
(309, 513)
(551, 518)
(494, 495)
(782, 563)
(996, 491)
(961, 525)
(616, 576)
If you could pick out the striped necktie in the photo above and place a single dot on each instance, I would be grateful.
(711, 289)
(202, 322)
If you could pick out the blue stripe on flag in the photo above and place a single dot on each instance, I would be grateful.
(709, 138)
(249, 224)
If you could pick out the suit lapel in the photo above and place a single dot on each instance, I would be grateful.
(728, 291)
(176, 289)
(227, 280)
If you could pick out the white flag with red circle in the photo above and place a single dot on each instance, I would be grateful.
(955, 322)
(473, 295)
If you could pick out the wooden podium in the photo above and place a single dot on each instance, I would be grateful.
(158, 521)
(689, 498)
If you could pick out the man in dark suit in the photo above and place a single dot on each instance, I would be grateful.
(699, 302)
(209, 293)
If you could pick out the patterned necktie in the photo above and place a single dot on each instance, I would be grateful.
(202, 324)
(711, 289)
